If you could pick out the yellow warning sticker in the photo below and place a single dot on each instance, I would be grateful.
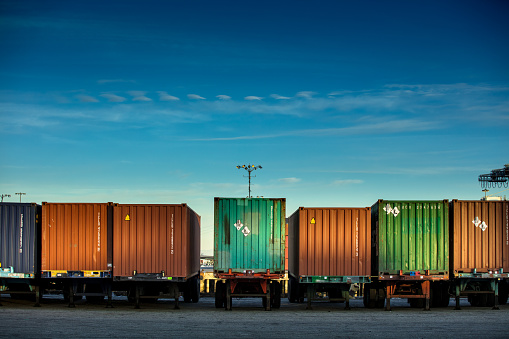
(127, 218)
(313, 221)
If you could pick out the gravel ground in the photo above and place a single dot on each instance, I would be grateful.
(247, 320)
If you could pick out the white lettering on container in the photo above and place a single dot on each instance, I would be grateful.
(357, 237)
(507, 224)
(171, 251)
(21, 234)
(271, 222)
(98, 231)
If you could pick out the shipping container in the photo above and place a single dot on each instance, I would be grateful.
(410, 237)
(156, 250)
(76, 250)
(76, 240)
(480, 250)
(19, 248)
(410, 252)
(330, 242)
(249, 234)
(481, 236)
(249, 249)
(155, 239)
(329, 249)
(19, 230)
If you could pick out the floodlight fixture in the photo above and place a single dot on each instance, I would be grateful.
(249, 168)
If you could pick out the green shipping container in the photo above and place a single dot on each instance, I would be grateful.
(249, 234)
(410, 236)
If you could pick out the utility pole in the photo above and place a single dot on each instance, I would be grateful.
(20, 194)
(249, 168)
(5, 196)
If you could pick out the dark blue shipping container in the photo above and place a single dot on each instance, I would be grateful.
(19, 223)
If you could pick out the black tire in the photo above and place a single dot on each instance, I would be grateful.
(94, 288)
(220, 296)
(368, 303)
(372, 302)
(275, 294)
(334, 295)
(293, 290)
(195, 290)
(417, 302)
(503, 292)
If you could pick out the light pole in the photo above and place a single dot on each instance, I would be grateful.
(5, 196)
(20, 194)
(249, 168)
(485, 191)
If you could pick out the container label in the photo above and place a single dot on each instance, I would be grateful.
(21, 234)
(313, 221)
(246, 231)
(481, 224)
(238, 225)
(127, 218)
(390, 210)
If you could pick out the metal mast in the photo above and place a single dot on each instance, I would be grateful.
(249, 168)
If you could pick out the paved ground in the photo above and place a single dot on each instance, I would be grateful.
(247, 320)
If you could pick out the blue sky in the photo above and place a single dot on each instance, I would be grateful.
(342, 103)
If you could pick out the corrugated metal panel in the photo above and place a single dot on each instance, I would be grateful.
(75, 237)
(19, 223)
(155, 238)
(481, 236)
(249, 234)
(411, 236)
(330, 242)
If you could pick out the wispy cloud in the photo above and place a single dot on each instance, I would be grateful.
(305, 94)
(348, 182)
(386, 127)
(86, 98)
(195, 97)
(253, 98)
(290, 180)
(139, 96)
(279, 97)
(223, 97)
(111, 81)
(163, 96)
(113, 97)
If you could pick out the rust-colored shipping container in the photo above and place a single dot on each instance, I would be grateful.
(330, 242)
(480, 241)
(75, 239)
(160, 239)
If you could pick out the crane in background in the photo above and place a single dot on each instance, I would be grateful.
(497, 178)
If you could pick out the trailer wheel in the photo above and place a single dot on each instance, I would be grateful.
(503, 292)
(275, 294)
(293, 290)
(220, 294)
(371, 299)
(192, 290)
(195, 290)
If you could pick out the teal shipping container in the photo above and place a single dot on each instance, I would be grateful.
(410, 237)
(249, 235)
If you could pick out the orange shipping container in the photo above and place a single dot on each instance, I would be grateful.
(330, 242)
(75, 237)
(480, 236)
(152, 239)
